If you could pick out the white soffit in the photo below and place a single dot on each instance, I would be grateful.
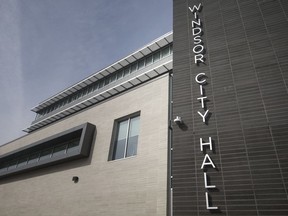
(152, 73)
(131, 59)
(123, 62)
(117, 66)
(135, 81)
(111, 69)
(138, 55)
(146, 51)
(154, 47)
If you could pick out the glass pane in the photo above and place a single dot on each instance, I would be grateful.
(126, 71)
(132, 146)
(141, 64)
(22, 162)
(122, 131)
(113, 77)
(95, 86)
(101, 83)
(156, 56)
(45, 154)
(3, 167)
(134, 126)
(12, 165)
(69, 99)
(90, 89)
(33, 158)
(73, 146)
(85, 91)
(119, 149)
(133, 67)
(133, 136)
(107, 80)
(59, 150)
(149, 60)
(165, 52)
(120, 74)
(74, 97)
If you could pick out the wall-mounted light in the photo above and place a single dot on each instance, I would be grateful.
(75, 179)
(178, 120)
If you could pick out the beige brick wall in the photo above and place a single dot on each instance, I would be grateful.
(132, 186)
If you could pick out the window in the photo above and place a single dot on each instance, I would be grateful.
(22, 162)
(141, 64)
(59, 150)
(165, 52)
(95, 86)
(156, 56)
(120, 74)
(45, 154)
(33, 158)
(113, 77)
(3, 168)
(149, 60)
(107, 80)
(126, 71)
(101, 83)
(68, 145)
(130, 68)
(12, 165)
(126, 138)
(133, 67)
(73, 145)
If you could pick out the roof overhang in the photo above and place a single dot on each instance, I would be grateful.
(154, 45)
(94, 99)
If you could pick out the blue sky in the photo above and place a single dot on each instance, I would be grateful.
(48, 45)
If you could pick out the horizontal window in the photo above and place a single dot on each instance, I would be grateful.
(72, 144)
(137, 65)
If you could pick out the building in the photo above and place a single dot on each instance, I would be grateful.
(72, 131)
(197, 130)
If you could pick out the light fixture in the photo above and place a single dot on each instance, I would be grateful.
(178, 120)
(75, 179)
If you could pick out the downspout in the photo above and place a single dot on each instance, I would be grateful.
(170, 149)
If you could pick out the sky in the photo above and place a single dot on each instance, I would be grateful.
(49, 45)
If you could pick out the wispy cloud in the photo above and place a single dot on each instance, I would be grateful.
(11, 76)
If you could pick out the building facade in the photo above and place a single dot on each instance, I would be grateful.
(199, 128)
(98, 147)
(230, 88)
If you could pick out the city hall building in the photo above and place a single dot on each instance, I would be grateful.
(194, 123)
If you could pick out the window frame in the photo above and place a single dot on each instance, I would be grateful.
(115, 135)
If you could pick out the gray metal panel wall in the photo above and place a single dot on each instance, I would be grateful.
(246, 64)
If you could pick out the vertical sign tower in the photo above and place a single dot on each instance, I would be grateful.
(230, 78)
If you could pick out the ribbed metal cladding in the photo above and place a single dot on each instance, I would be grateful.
(246, 64)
